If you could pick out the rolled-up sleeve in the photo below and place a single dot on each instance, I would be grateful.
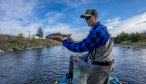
(95, 38)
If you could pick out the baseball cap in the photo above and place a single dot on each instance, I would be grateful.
(89, 12)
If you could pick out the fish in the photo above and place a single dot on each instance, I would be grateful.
(53, 36)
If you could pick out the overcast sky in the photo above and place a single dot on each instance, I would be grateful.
(20, 16)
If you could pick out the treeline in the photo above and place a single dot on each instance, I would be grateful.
(132, 37)
(20, 41)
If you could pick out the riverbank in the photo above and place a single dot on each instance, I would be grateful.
(140, 43)
(10, 47)
(132, 45)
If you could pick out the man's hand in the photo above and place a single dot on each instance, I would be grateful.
(69, 38)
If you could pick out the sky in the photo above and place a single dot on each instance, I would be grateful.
(21, 16)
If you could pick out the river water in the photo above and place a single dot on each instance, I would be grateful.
(45, 65)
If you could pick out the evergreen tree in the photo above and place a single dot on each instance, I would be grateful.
(39, 33)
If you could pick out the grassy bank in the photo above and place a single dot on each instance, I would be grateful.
(42, 43)
(140, 43)
(53, 43)
(9, 46)
(30, 44)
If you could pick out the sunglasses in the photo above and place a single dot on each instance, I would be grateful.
(87, 17)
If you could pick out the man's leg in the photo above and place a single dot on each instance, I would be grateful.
(99, 74)
(107, 80)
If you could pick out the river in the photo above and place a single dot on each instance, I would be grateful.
(45, 65)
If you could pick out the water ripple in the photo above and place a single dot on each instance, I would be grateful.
(45, 65)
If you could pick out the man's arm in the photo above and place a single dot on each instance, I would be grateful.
(95, 37)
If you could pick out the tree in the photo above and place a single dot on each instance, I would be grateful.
(39, 33)
(132, 37)
(122, 37)
(21, 40)
(135, 37)
(3, 39)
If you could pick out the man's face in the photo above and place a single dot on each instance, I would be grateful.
(91, 20)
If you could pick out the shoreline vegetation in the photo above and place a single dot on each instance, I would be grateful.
(132, 39)
(140, 43)
(19, 42)
(38, 43)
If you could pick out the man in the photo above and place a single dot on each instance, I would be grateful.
(99, 44)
